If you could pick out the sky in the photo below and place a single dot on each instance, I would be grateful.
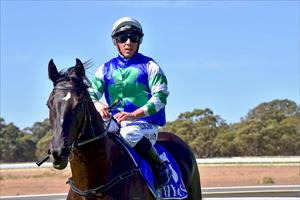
(228, 56)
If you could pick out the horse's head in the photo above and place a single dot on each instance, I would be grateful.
(67, 104)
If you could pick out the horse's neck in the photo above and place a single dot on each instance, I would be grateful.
(91, 164)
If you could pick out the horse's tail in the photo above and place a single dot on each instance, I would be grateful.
(194, 191)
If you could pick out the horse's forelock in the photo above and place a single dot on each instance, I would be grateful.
(69, 74)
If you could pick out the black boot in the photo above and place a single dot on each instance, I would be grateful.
(160, 168)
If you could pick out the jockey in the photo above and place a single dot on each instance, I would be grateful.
(140, 85)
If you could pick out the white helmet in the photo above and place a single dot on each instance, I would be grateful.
(127, 24)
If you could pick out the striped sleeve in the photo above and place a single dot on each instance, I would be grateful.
(159, 89)
(97, 88)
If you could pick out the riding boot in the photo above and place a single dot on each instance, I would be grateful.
(159, 167)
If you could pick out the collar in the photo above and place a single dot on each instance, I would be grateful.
(124, 62)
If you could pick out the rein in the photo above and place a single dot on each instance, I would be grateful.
(102, 188)
(88, 121)
(76, 142)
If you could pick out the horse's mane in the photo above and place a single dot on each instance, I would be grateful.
(68, 74)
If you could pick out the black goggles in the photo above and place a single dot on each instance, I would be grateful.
(124, 37)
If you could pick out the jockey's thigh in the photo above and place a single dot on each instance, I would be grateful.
(133, 131)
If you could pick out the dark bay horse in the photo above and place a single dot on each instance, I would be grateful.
(101, 169)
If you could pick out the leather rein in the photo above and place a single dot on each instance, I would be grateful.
(87, 120)
(102, 188)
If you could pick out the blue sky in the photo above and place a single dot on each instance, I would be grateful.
(228, 56)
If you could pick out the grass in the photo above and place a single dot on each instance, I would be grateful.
(268, 180)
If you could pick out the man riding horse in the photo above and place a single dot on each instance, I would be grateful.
(140, 86)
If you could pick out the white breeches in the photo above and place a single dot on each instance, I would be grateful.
(133, 131)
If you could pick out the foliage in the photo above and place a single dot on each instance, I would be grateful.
(276, 110)
(268, 180)
(269, 129)
(40, 129)
(9, 141)
(20, 145)
(43, 145)
(199, 129)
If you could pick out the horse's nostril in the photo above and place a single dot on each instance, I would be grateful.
(60, 161)
(59, 154)
(55, 155)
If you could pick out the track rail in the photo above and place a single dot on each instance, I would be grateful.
(253, 191)
(289, 160)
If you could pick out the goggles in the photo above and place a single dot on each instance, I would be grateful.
(125, 36)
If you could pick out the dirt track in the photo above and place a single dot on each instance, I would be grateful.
(46, 180)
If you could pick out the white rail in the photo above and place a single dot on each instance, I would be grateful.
(202, 161)
(250, 160)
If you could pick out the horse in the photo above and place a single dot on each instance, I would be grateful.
(100, 168)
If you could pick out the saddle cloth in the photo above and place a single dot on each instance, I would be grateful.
(175, 189)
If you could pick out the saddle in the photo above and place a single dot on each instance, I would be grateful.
(175, 189)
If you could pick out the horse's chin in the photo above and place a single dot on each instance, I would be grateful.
(62, 164)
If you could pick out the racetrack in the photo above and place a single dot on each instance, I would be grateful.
(219, 179)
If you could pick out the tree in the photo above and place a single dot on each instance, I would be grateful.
(9, 135)
(20, 146)
(26, 148)
(226, 143)
(275, 110)
(40, 129)
(43, 145)
(269, 129)
(2, 123)
(290, 138)
(249, 138)
(198, 128)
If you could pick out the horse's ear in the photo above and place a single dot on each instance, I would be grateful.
(79, 68)
(52, 71)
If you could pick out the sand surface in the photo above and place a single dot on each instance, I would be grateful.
(48, 180)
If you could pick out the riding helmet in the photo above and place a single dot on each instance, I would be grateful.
(125, 24)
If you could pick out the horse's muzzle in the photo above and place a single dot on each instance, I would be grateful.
(60, 158)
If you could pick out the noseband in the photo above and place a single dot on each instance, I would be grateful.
(87, 121)
(94, 192)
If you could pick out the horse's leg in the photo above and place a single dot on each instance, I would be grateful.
(135, 188)
(139, 189)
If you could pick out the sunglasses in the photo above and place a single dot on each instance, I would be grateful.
(124, 37)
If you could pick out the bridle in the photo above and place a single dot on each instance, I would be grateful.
(87, 120)
(77, 143)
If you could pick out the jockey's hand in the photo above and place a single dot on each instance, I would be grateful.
(124, 116)
(103, 110)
